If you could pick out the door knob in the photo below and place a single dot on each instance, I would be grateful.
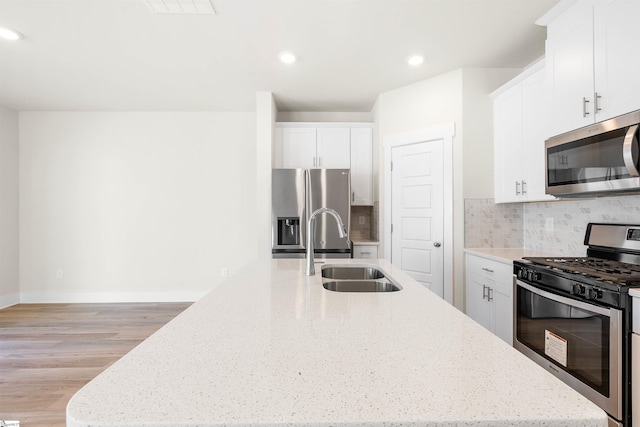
(437, 244)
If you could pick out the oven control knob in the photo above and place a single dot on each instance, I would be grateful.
(532, 276)
(593, 293)
(577, 289)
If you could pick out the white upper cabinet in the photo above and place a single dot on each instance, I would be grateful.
(519, 134)
(329, 146)
(534, 133)
(507, 139)
(617, 36)
(332, 148)
(569, 64)
(298, 148)
(311, 147)
(591, 62)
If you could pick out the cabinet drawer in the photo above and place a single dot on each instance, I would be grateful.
(365, 251)
(500, 274)
(489, 268)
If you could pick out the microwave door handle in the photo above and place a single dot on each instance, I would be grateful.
(630, 150)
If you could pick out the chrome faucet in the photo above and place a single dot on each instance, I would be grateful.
(311, 232)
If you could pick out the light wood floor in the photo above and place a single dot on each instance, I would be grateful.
(49, 351)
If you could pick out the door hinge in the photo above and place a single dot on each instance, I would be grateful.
(392, 228)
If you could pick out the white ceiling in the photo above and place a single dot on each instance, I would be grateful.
(118, 55)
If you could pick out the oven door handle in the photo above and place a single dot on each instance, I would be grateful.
(630, 150)
(568, 301)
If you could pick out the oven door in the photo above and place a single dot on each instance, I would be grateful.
(579, 343)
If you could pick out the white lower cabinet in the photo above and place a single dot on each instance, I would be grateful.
(489, 287)
(365, 251)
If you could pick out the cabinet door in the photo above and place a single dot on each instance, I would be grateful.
(616, 40)
(361, 166)
(334, 148)
(298, 148)
(569, 64)
(503, 315)
(478, 308)
(534, 132)
(507, 116)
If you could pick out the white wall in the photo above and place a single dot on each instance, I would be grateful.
(461, 97)
(266, 112)
(319, 116)
(9, 284)
(420, 106)
(477, 116)
(136, 206)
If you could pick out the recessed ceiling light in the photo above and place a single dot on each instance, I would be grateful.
(415, 60)
(287, 57)
(9, 34)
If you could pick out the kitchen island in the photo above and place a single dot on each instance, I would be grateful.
(272, 347)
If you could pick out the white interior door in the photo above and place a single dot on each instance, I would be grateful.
(417, 212)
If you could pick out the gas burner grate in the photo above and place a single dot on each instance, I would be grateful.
(601, 269)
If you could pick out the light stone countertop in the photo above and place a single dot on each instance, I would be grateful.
(272, 347)
(507, 255)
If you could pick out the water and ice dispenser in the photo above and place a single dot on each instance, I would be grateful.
(289, 231)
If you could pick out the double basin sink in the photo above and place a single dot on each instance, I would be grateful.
(356, 279)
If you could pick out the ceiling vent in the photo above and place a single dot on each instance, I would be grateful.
(181, 7)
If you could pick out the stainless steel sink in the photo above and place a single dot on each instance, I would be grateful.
(360, 286)
(352, 273)
(346, 278)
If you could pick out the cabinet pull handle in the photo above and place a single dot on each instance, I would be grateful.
(524, 187)
(585, 111)
(319, 161)
(314, 161)
(353, 196)
(487, 269)
(596, 103)
(517, 188)
(629, 147)
(484, 291)
(489, 294)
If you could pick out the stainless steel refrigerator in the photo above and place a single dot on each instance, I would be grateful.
(296, 194)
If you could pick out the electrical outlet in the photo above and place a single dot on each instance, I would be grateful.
(548, 226)
(224, 272)
(59, 274)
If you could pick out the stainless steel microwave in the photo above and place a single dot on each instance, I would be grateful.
(599, 159)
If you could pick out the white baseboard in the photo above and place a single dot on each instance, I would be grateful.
(106, 297)
(9, 300)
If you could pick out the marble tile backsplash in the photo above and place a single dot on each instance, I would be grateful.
(554, 227)
(488, 225)
(570, 219)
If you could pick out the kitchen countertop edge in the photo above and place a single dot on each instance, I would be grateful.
(507, 255)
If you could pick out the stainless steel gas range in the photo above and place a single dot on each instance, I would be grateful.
(573, 316)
